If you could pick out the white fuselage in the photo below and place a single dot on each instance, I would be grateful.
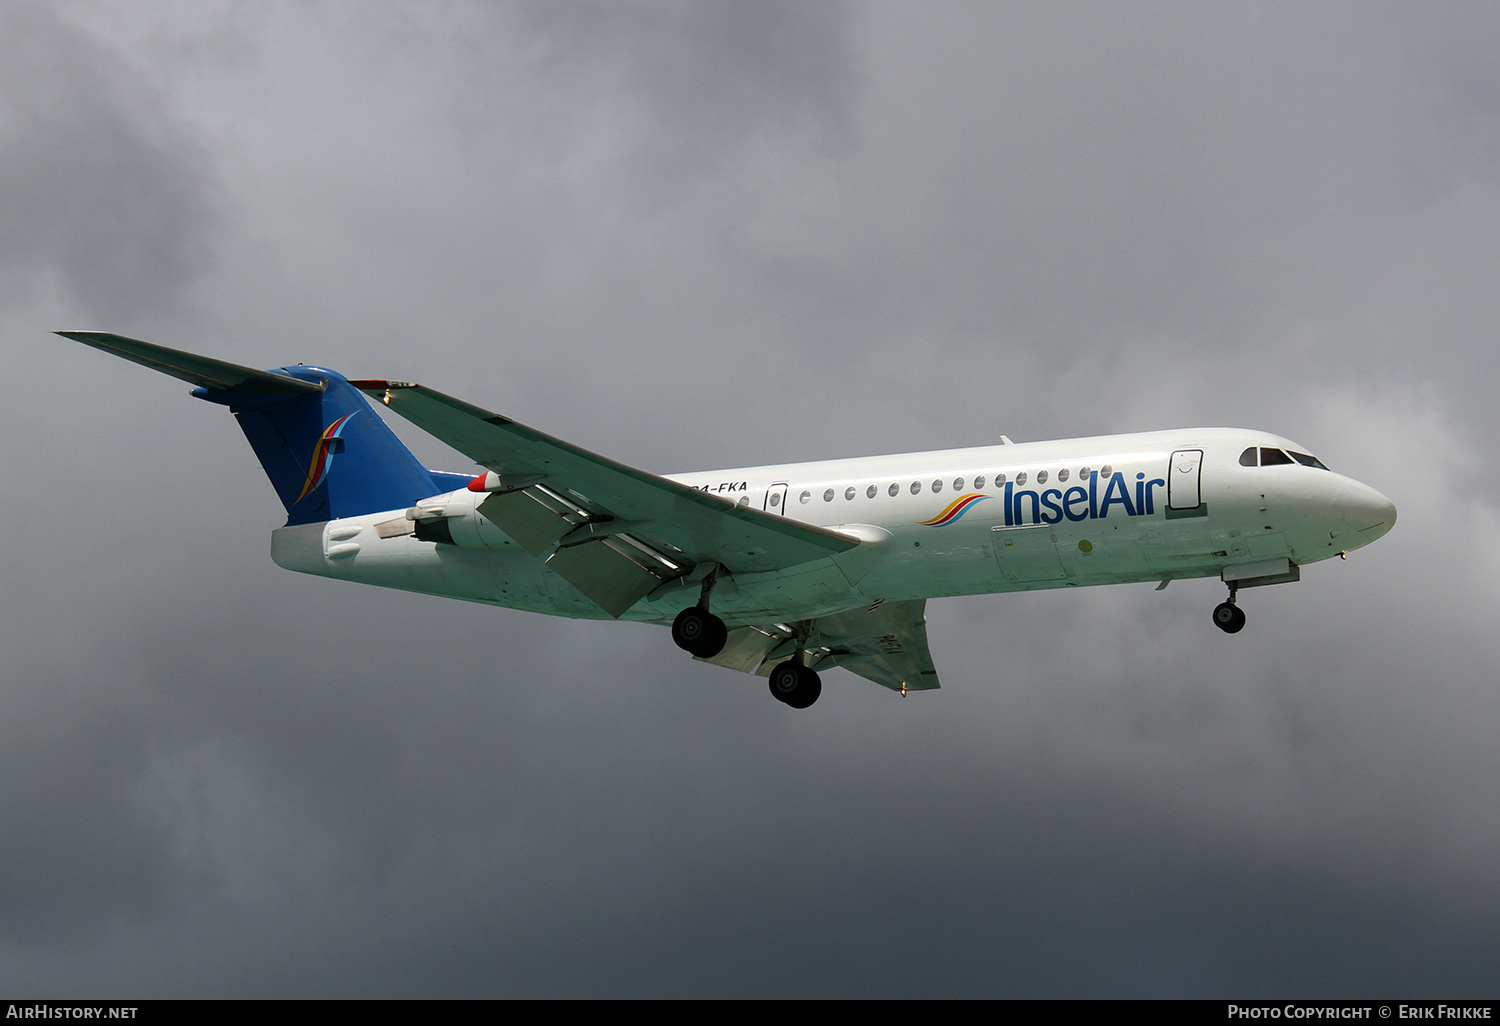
(1113, 509)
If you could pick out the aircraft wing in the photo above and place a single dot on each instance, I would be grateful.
(618, 532)
(885, 642)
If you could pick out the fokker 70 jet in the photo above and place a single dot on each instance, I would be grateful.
(779, 570)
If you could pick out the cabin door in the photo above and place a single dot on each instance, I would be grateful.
(1182, 481)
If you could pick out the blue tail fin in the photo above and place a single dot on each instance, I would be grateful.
(327, 452)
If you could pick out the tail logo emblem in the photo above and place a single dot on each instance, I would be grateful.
(322, 456)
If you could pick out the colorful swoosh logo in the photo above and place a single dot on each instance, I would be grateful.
(322, 457)
(957, 508)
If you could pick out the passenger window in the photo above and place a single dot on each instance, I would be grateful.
(776, 498)
(937, 486)
(1106, 470)
(999, 480)
(1020, 479)
(849, 492)
(1083, 471)
(870, 492)
(804, 497)
(1247, 458)
(916, 487)
(979, 482)
(895, 488)
(1062, 475)
(1041, 477)
(744, 500)
(828, 495)
(1273, 458)
(958, 484)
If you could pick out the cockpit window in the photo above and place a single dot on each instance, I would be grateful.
(1306, 460)
(1263, 457)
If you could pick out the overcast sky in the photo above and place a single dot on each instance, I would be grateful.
(696, 235)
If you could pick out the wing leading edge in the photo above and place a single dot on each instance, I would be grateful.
(614, 532)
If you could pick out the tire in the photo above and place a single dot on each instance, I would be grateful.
(812, 688)
(795, 685)
(1229, 618)
(699, 632)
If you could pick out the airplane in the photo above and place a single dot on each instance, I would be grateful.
(780, 571)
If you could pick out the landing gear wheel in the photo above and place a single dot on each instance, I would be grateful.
(1229, 618)
(700, 632)
(795, 684)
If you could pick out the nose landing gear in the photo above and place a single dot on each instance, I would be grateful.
(1229, 617)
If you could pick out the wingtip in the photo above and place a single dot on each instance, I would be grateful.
(93, 338)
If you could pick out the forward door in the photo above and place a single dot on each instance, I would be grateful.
(1183, 481)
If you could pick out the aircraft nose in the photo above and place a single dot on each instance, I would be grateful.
(1366, 510)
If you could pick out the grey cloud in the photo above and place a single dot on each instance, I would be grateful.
(698, 235)
(709, 74)
(104, 195)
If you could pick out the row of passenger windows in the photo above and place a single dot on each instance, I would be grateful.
(1254, 456)
(1266, 457)
(959, 483)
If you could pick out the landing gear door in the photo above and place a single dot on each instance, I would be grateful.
(775, 500)
(1182, 482)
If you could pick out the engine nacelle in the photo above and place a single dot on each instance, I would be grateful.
(453, 518)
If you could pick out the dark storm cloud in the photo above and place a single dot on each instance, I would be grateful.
(716, 234)
(708, 75)
(104, 196)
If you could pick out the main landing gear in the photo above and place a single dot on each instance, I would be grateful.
(696, 630)
(1229, 617)
(795, 684)
(701, 633)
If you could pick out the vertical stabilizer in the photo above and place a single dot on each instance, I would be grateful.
(327, 452)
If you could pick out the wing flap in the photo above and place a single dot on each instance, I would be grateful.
(613, 573)
(527, 516)
(747, 649)
(883, 642)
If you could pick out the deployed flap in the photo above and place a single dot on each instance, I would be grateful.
(885, 642)
(681, 524)
(199, 370)
(615, 572)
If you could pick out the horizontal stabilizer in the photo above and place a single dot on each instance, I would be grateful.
(198, 370)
